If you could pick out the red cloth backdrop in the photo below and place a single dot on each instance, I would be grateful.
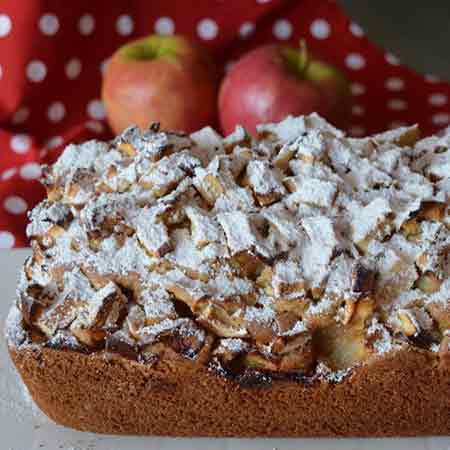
(52, 54)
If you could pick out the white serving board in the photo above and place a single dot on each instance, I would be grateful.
(24, 427)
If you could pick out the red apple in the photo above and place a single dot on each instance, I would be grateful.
(272, 81)
(165, 79)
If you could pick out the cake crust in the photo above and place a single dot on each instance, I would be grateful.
(405, 394)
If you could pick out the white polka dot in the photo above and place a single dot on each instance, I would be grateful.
(320, 29)
(54, 142)
(207, 29)
(73, 68)
(392, 59)
(262, 2)
(431, 78)
(20, 116)
(1, 72)
(246, 29)
(355, 61)
(441, 119)
(86, 24)
(96, 110)
(36, 71)
(356, 30)
(93, 125)
(164, 26)
(5, 25)
(56, 112)
(358, 110)
(8, 173)
(397, 104)
(15, 205)
(30, 171)
(394, 84)
(396, 124)
(43, 153)
(124, 25)
(357, 88)
(282, 29)
(20, 143)
(437, 99)
(7, 240)
(104, 65)
(357, 130)
(49, 24)
(229, 65)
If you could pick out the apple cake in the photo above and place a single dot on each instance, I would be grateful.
(296, 283)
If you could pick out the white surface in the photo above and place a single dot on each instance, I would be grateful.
(23, 427)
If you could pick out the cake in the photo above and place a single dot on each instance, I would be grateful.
(296, 283)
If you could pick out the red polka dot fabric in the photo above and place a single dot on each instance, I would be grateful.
(53, 53)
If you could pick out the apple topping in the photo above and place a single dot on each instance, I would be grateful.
(288, 280)
(33, 299)
(238, 138)
(135, 320)
(403, 136)
(408, 322)
(370, 220)
(168, 172)
(440, 312)
(257, 361)
(363, 280)
(216, 319)
(218, 177)
(58, 316)
(411, 230)
(299, 250)
(152, 233)
(265, 182)
(122, 343)
(428, 283)
(342, 346)
(205, 230)
(126, 149)
(100, 315)
(230, 348)
(49, 219)
(286, 153)
(311, 146)
(157, 304)
(311, 190)
(241, 233)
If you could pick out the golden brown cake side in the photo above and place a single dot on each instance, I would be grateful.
(402, 395)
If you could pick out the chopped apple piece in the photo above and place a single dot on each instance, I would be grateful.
(432, 211)
(403, 136)
(312, 190)
(220, 322)
(204, 229)
(257, 361)
(126, 149)
(429, 283)
(408, 323)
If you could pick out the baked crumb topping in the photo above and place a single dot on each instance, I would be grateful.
(300, 251)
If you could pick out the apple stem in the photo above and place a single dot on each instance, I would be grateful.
(303, 59)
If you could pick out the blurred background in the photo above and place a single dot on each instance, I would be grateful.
(418, 31)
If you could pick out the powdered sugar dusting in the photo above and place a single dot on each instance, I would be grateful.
(259, 242)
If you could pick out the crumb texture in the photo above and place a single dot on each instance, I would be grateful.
(182, 398)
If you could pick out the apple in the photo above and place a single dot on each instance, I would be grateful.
(165, 79)
(272, 81)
